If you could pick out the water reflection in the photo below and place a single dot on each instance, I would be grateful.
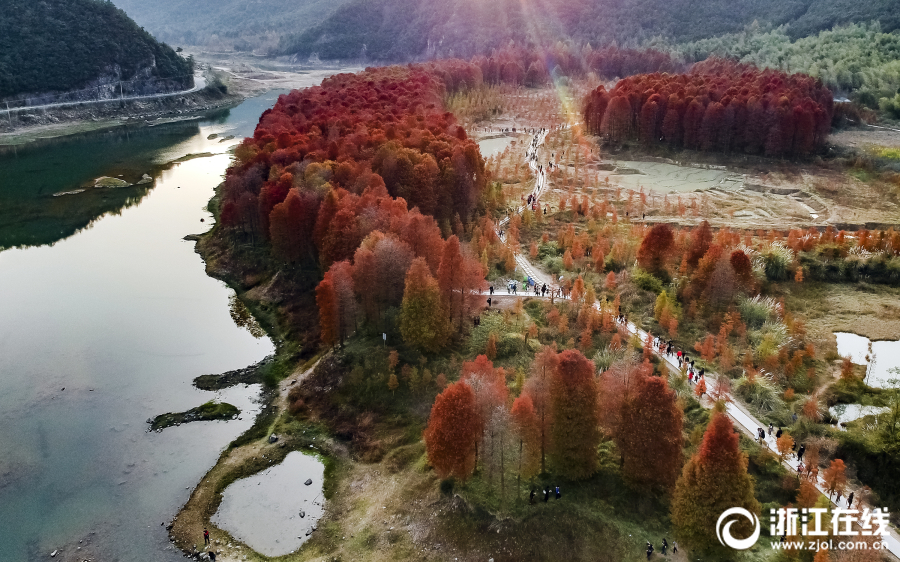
(882, 357)
(243, 318)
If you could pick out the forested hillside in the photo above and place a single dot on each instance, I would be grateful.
(402, 29)
(855, 58)
(58, 45)
(227, 24)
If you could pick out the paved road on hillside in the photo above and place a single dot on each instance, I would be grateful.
(199, 84)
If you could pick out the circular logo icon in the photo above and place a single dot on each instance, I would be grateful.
(723, 532)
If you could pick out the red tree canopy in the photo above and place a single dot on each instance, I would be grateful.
(452, 431)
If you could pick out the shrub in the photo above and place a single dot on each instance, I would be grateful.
(646, 281)
(759, 392)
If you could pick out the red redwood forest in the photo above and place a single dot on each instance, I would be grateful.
(718, 106)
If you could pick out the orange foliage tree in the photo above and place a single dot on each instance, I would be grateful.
(537, 387)
(713, 480)
(527, 428)
(835, 477)
(655, 249)
(649, 434)
(452, 431)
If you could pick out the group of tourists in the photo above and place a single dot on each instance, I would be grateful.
(664, 549)
(547, 491)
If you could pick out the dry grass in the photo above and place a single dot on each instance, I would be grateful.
(872, 311)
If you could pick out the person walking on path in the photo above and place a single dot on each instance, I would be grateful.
(674, 547)
(850, 500)
(800, 452)
(558, 495)
(649, 550)
(665, 546)
(531, 497)
(771, 429)
(212, 556)
(492, 289)
(205, 536)
(546, 494)
(778, 434)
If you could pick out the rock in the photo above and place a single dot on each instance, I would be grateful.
(144, 179)
(212, 136)
(302, 514)
(308, 481)
(293, 381)
(106, 181)
(54, 553)
(282, 445)
(273, 438)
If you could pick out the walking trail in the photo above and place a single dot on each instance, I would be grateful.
(737, 411)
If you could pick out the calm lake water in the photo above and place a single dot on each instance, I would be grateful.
(122, 316)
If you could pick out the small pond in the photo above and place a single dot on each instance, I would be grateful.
(264, 510)
(885, 356)
(490, 147)
(846, 413)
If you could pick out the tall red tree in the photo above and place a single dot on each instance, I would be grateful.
(537, 387)
(452, 432)
(649, 435)
(655, 249)
(713, 480)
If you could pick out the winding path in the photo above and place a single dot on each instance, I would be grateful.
(737, 411)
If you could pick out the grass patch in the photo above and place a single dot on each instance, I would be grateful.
(207, 412)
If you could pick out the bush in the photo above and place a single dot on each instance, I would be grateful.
(776, 261)
(759, 392)
(756, 311)
(548, 250)
(646, 281)
(891, 106)
(554, 265)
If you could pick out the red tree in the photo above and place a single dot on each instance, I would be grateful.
(649, 435)
(527, 427)
(617, 121)
(701, 238)
(655, 248)
(713, 480)
(450, 438)
(537, 387)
